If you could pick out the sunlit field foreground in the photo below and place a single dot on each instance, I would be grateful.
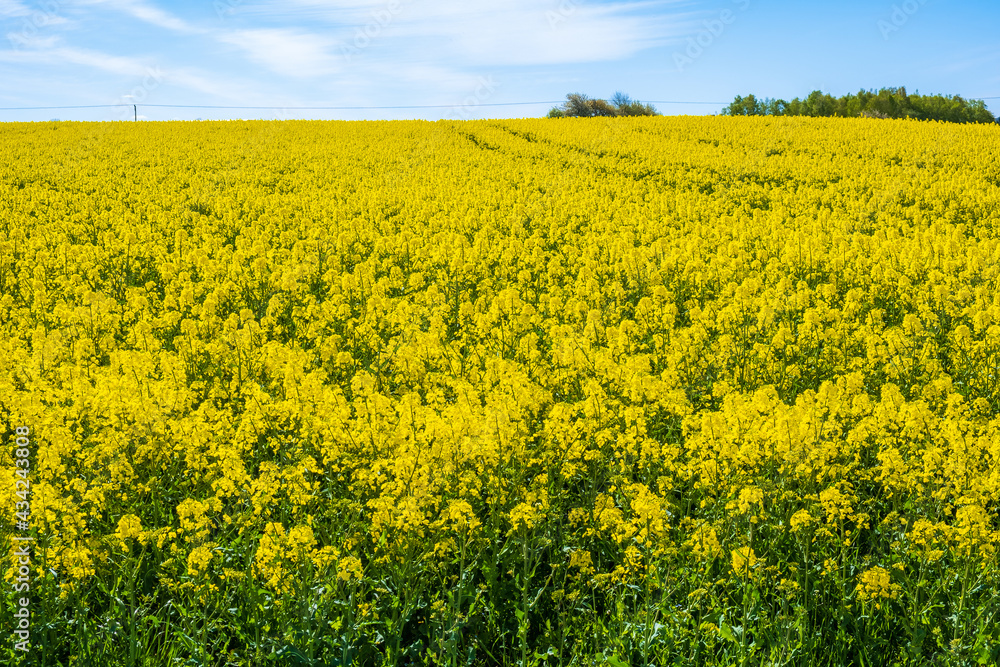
(666, 391)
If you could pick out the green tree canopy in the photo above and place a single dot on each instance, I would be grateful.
(884, 103)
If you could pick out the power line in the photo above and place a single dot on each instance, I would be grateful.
(79, 106)
(276, 106)
(316, 108)
(344, 108)
(668, 102)
(410, 106)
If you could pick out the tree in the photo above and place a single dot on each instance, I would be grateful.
(580, 106)
(626, 106)
(775, 107)
(744, 106)
(818, 104)
(884, 103)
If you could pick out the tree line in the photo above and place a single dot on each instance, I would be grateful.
(885, 103)
(579, 105)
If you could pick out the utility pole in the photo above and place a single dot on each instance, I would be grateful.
(135, 113)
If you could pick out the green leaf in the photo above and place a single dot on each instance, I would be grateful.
(292, 656)
(726, 631)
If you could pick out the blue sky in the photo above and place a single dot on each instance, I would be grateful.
(465, 54)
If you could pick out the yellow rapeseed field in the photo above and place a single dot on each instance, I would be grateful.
(693, 391)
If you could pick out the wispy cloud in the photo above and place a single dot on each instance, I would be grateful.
(493, 32)
(25, 24)
(133, 70)
(63, 55)
(288, 52)
(148, 13)
(590, 34)
(13, 8)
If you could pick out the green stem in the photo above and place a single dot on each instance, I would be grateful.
(523, 625)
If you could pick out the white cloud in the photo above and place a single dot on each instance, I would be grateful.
(203, 82)
(148, 13)
(27, 21)
(142, 74)
(13, 8)
(437, 50)
(505, 38)
(22, 40)
(292, 53)
(490, 32)
(74, 56)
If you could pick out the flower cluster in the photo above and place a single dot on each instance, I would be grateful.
(663, 342)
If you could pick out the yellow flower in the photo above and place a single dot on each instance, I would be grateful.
(198, 559)
(581, 559)
(611, 520)
(349, 568)
(324, 558)
(257, 349)
(194, 520)
(750, 500)
(526, 515)
(875, 584)
(801, 520)
(523, 516)
(461, 515)
(129, 526)
(269, 560)
(837, 504)
(300, 539)
(650, 516)
(744, 560)
(704, 542)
